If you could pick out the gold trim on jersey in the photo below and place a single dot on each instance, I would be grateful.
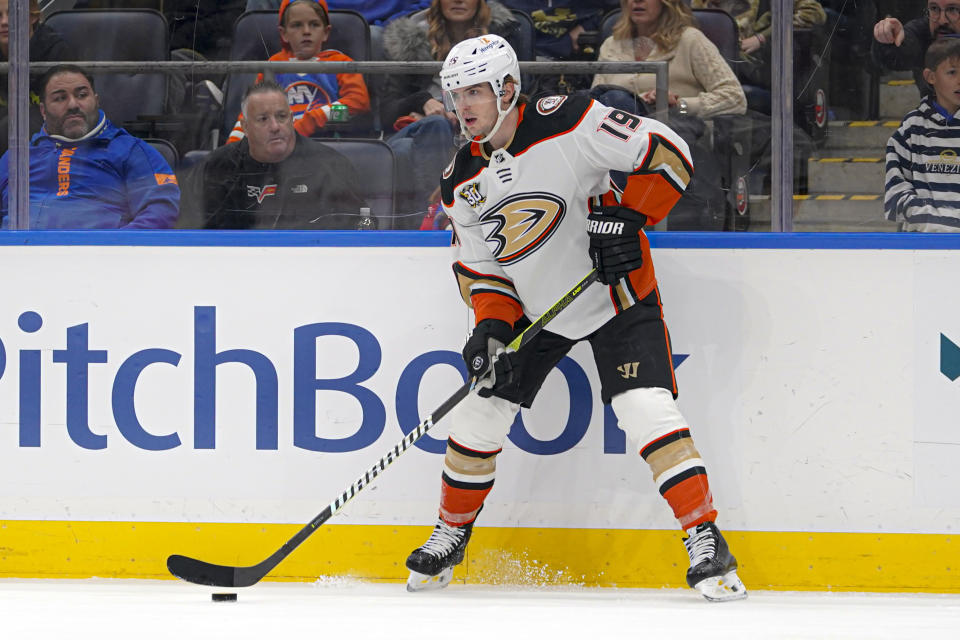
(472, 282)
(667, 160)
(483, 147)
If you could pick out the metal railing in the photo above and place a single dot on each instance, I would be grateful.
(19, 72)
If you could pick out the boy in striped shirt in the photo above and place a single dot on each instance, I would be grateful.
(923, 156)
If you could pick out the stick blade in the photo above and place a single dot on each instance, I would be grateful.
(205, 573)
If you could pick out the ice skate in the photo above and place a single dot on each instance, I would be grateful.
(713, 569)
(431, 566)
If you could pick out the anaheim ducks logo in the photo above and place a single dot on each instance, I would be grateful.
(522, 223)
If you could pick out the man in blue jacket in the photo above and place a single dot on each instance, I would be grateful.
(85, 173)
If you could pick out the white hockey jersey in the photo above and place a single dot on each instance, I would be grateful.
(520, 214)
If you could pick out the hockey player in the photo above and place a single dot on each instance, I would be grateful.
(518, 195)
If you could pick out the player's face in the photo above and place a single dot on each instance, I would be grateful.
(459, 11)
(268, 124)
(945, 80)
(70, 107)
(304, 31)
(477, 107)
(644, 14)
(944, 16)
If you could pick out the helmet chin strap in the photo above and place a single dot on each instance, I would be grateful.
(496, 127)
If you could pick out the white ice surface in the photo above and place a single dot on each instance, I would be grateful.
(106, 609)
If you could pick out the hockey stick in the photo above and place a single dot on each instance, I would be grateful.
(216, 575)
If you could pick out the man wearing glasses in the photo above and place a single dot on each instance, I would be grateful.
(901, 47)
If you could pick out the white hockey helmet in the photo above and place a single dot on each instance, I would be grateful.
(488, 59)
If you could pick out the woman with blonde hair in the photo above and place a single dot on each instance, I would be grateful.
(700, 83)
(412, 104)
(700, 80)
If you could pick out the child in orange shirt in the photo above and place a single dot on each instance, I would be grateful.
(304, 28)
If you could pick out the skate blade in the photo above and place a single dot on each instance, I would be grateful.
(422, 582)
(722, 588)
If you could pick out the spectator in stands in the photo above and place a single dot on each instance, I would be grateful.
(901, 47)
(755, 19)
(274, 178)
(564, 30)
(85, 173)
(755, 22)
(701, 85)
(701, 82)
(412, 104)
(923, 168)
(560, 23)
(46, 45)
(304, 28)
(744, 12)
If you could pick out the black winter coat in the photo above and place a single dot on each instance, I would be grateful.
(314, 188)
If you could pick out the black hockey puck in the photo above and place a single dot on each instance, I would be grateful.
(224, 597)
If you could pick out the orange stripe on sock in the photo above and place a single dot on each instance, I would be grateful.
(460, 506)
(691, 501)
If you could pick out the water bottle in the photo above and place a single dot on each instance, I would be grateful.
(367, 222)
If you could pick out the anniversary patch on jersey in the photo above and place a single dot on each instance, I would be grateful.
(548, 105)
(522, 223)
(471, 193)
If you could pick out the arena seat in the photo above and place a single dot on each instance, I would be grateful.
(374, 161)
(194, 157)
(119, 35)
(166, 149)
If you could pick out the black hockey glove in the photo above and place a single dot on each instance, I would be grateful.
(614, 246)
(488, 362)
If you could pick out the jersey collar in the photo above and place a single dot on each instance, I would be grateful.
(478, 149)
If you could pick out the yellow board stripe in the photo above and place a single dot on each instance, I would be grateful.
(496, 555)
(848, 159)
(830, 197)
(868, 123)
